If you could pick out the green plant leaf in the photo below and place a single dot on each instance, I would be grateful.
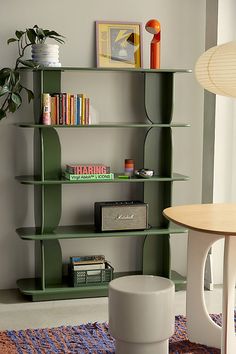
(16, 99)
(4, 89)
(12, 107)
(10, 40)
(29, 63)
(19, 34)
(57, 39)
(31, 35)
(2, 114)
(40, 33)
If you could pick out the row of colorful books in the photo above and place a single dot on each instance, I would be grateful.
(85, 172)
(66, 109)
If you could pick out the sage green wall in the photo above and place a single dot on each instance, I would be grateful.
(183, 35)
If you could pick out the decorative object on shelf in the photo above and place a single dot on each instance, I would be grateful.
(153, 26)
(46, 54)
(120, 215)
(10, 79)
(86, 270)
(119, 44)
(144, 173)
(129, 167)
(216, 70)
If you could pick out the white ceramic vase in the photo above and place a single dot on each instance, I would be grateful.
(46, 54)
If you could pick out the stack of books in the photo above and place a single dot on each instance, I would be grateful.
(88, 172)
(67, 109)
(93, 263)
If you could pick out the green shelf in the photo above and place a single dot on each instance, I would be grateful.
(157, 152)
(104, 125)
(37, 181)
(32, 287)
(136, 70)
(88, 231)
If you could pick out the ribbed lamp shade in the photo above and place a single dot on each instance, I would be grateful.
(216, 69)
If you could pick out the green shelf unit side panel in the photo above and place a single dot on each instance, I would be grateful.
(39, 264)
(158, 157)
(159, 96)
(52, 262)
(47, 159)
(44, 82)
(48, 263)
(156, 255)
(158, 151)
(158, 201)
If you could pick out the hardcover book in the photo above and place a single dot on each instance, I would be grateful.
(76, 260)
(87, 169)
(89, 266)
(89, 177)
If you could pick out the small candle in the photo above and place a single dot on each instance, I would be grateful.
(129, 167)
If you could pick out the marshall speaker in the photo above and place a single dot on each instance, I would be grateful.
(118, 216)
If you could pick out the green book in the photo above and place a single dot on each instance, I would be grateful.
(89, 177)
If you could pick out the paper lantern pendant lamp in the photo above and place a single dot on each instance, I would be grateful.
(215, 70)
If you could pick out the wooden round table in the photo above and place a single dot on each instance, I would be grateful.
(208, 223)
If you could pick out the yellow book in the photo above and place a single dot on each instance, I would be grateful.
(72, 110)
(53, 110)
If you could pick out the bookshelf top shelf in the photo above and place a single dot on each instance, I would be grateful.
(104, 125)
(139, 70)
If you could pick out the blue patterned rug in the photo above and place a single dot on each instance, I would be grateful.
(90, 338)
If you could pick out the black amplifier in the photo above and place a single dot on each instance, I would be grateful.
(121, 215)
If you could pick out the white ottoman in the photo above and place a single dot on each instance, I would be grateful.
(141, 314)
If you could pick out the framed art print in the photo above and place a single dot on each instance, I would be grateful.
(119, 44)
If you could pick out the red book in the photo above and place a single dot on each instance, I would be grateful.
(84, 169)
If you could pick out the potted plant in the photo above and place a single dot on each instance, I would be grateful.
(10, 80)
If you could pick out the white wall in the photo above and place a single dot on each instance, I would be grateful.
(183, 24)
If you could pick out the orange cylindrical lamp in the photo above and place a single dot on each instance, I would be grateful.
(153, 26)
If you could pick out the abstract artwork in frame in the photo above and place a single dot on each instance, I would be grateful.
(119, 44)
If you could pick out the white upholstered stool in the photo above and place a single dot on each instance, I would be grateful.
(141, 314)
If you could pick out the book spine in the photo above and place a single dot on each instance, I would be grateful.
(57, 109)
(64, 108)
(75, 109)
(87, 110)
(72, 110)
(67, 109)
(82, 113)
(60, 109)
(78, 110)
(93, 258)
(88, 266)
(53, 110)
(46, 107)
(91, 177)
